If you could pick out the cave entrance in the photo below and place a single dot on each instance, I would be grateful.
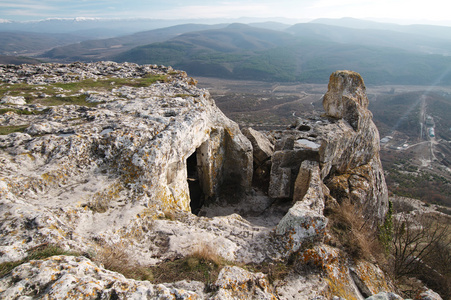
(196, 193)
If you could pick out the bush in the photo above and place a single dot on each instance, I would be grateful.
(421, 248)
(386, 229)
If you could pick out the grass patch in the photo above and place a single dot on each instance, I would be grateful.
(110, 83)
(204, 265)
(182, 95)
(22, 111)
(275, 271)
(105, 84)
(39, 252)
(4, 130)
(17, 89)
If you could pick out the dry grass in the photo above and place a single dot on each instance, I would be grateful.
(208, 253)
(352, 232)
(116, 258)
(275, 270)
(202, 265)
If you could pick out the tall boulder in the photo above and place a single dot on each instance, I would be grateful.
(349, 153)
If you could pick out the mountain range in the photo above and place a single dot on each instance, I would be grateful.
(383, 53)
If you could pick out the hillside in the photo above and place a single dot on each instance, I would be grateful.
(104, 49)
(416, 163)
(305, 52)
(408, 40)
(20, 43)
(269, 51)
(440, 32)
(17, 60)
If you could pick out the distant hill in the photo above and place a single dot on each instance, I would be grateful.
(431, 31)
(237, 51)
(18, 43)
(103, 49)
(106, 28)
(270, 51)
(304, 52)
(92, 27)
(381, 37)
(17, 60)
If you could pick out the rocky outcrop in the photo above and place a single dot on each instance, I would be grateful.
(350, 156)
(132, 153)
(67, 277)
(137, 158)
(305, 221)
(345, 144)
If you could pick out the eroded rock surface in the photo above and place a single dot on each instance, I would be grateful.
(127, 157)
(126, 161)
(67, 277)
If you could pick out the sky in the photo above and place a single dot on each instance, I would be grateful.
(404, 11)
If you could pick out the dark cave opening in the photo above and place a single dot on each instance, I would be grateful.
(196, 193)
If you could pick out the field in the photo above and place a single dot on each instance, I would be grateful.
(416, 164)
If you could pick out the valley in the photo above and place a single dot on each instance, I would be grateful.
(416, 164)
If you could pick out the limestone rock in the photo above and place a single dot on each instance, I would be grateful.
(346, 98)
(136, 152)
(385, 296)
(428, 294)
(369, 278)
(345, 144)
(262, 147)
(307, 286)
(19, 100)
(237, 283)
(353, 148)
(327, 260)
(285, 167)
(305, 221)
(129, 166)
(67, 277)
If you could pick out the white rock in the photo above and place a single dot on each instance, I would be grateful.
(67, 277)
(19, 100)
(236, 283)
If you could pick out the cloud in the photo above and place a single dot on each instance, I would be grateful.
(178, 9)
(221, 10)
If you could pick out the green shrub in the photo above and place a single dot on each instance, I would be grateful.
(386, 229)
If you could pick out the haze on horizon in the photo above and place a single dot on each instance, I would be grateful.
(396, 11)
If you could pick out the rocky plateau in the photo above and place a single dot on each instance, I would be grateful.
(137, 159)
